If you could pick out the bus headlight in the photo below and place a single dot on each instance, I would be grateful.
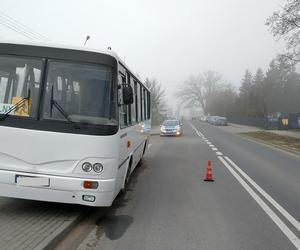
(98, 167)
(86, 167)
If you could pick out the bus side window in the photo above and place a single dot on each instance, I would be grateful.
(141, 102)
(138, 102)
(148, 105)
(123, 108)
(133, 106)
(145, 104)
(129, 119)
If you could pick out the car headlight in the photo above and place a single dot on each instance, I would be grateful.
(98, 167)
(162, 129)
(87, 167)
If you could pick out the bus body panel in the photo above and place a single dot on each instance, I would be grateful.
(62, 163)
(32, 149)
(55, 153)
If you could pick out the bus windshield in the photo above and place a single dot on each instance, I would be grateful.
(83, 91)
(18, 77)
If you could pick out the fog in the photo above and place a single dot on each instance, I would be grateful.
(166, 40)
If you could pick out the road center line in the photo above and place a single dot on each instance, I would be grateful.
(282, 226)
(285, 213)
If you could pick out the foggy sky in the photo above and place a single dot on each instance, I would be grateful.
(168, 40)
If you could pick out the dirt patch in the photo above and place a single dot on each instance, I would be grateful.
(285, 142)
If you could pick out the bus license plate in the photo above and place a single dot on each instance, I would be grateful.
(32, 181)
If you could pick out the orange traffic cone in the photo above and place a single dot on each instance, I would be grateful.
(209, 176)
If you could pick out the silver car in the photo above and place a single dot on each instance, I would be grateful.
(171, 127)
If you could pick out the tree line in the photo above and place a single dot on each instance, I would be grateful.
(277, 90)
(158, 103)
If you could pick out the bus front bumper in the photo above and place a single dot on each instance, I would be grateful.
(60, 189)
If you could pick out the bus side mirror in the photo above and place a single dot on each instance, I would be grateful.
(127, 93)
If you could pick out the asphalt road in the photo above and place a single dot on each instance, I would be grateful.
(169, 206)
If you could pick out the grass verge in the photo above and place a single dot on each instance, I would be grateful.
(283, 142)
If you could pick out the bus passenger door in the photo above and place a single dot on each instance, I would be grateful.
(124, 131)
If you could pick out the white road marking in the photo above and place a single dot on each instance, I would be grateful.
(283, 227)
(149, 145)
(211, 145)
(214, 149)
(285, 213)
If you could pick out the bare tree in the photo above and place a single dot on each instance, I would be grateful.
(285, 24)
(199, 90)
(157, 99)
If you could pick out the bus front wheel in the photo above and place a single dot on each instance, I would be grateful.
(127, 178)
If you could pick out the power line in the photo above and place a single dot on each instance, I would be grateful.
(21, 28)
(5, 21)
(16, 29)
(8, 26)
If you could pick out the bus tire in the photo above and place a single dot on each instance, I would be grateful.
(144, 151)
(145, 147)
(127, 177)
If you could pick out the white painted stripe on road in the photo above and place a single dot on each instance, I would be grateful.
(285, 213)
(197, 132)
(211, 145)
(283, 227)
(214, 149)
(219, 153)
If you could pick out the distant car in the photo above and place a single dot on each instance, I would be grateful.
(212, 119)
(171, 127)
(204, 118)
(221, 121)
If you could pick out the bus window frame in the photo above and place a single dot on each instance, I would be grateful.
(43, 86)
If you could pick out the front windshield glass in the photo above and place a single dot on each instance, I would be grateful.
(19, 76)
(171, 123)
(83, 91)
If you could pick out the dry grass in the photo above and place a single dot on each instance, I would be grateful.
(277, 140)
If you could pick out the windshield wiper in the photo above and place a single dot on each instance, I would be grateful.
(18, 105)
(60, 109)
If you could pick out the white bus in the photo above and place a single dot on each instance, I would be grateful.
(74, 123)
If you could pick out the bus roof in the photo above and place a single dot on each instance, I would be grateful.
(71, 47)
